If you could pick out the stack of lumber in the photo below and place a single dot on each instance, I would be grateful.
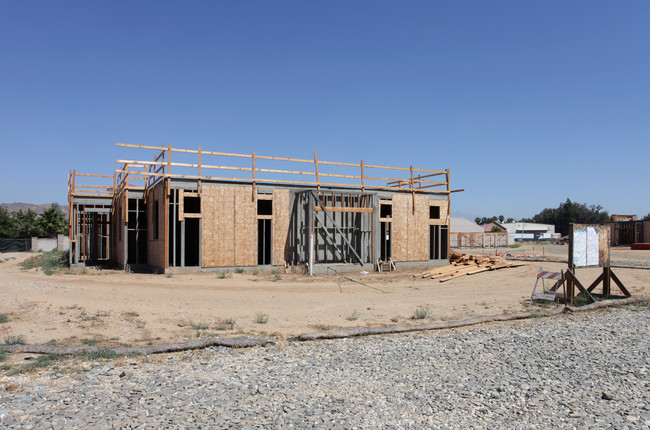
(467, 264)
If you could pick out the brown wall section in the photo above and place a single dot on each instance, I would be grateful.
(156, 247)
(418, 229)
(444, 216)
(281, 220)
(245, 227)
(399, 242)
(229, 232)
(411, 228)
(118, 247)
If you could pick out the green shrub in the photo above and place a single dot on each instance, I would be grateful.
(353, 316)
(15, 340)
(261, 318)
(421, 312)
(48, 262)
(4, 318)
(226, 324)
(223, 274)
(199, 326)
(100, 354)
(239, 270)
(89, 342)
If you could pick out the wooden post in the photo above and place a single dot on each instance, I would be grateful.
(125, 212)
(198, 184)
(166, 222)
(412, 191)
(606, 281)
(448, 214)
(254, 187)
(84, 236)
(316, 166)
(363, 188)
(169, 166)
(570, 287)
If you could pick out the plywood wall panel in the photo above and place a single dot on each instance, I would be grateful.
(399, 242)
(208, 225)
(225, 236)
(229, 229)
(418, 229)
(444, 208)
(156, 247)
(245, 227)
(281, 219)
(118, 250)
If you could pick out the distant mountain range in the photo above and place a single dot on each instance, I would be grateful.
(15, 207)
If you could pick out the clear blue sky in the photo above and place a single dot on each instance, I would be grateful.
(528, 103)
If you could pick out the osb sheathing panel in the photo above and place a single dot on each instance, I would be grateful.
(399, 241)
(245, 227)
(209, 207)
(119, 244)
(229, 231)
(418, 229)
(410, 228)
(281, 218)
(444, 216)
(156, 247)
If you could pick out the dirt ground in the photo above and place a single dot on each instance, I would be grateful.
(112, 308)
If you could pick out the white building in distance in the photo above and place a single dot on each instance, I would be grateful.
(529, 231)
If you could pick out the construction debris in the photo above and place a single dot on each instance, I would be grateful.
(467, 264)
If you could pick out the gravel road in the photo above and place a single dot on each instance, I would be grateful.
(587, 370)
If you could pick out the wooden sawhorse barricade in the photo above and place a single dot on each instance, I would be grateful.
(552, 293)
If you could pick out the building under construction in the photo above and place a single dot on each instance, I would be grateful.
(194, 208)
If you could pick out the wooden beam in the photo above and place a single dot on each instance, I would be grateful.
(316, 166)
(343, 209)
(412, 191)
(620, 284)
(254, 190)
(198, 184)
(169, 165)
(181, 205)
(166, 222)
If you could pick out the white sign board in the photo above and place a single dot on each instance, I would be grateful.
(585, 247)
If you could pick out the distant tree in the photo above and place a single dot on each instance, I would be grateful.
(487, 220)
(26, 224)
(496, 229)
(510, 220)
(646, 218)
(570, 212)
(7, 226)
(52, 221)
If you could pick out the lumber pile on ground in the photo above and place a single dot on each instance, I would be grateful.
(467, 264)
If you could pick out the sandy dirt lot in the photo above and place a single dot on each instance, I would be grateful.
(113, 308)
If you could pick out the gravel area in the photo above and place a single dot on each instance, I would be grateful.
(588, 370)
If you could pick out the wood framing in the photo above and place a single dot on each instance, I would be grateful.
(208, 209)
